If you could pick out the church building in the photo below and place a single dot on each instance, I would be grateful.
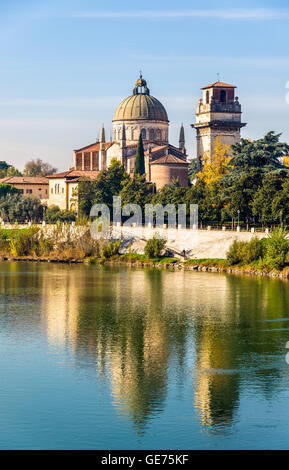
(138, 113)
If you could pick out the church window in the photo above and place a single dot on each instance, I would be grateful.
(158, 134)
(95, 161)
(143, 134)
(207, 97)
(152, 134)
(87, 161)
(78, 161)
(223, 96)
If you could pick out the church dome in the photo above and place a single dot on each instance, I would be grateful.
(140, 106)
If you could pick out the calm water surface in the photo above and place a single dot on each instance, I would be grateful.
(108, 358)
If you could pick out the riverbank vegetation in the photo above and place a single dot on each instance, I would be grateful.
(265, 255)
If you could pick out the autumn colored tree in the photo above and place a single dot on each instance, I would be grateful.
(217, 166)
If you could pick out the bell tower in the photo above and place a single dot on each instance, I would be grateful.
(218, 114)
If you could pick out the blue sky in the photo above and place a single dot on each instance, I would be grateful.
(66, 65)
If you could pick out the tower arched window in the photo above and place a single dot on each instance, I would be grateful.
(207, 97)
(143, 134)
(223, 96)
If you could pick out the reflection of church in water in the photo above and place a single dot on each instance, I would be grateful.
(136, 347)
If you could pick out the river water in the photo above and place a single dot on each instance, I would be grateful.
(119, 358)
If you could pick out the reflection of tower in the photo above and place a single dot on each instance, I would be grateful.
(218, 114)
(216, 387)
(61, 308)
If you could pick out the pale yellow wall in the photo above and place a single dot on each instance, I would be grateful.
(72, 198)
(58, 198)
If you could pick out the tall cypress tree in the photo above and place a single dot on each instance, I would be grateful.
(139, 166)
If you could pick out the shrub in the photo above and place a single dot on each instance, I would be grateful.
(111, 249)
(53, 214)
(154, 247)
(277, 247)
(245, 252)
(23, 242)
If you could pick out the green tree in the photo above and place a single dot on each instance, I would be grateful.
(139, 166)
(280, 204)
(192, 169)
(38, 168)
(262, 204)
(6, 189)
(54, 214)
(136, 191)
(17, 208)
(263, 155)
(12, 171)
(239, 197)
(108, 183)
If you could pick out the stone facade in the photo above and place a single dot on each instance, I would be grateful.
(218, 114)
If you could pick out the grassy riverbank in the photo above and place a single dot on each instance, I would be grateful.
(267, 257)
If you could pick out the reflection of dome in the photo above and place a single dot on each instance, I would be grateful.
(140, 106)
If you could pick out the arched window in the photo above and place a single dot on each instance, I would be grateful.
(152, 134)
(158, 135)
(143, 134)
(207, 97)
(223, 96)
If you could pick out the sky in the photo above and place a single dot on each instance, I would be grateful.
(66, 65)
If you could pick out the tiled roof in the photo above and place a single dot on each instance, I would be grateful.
(219, 84)
(94, 147)
(92, 174)
(25, 180)
(167, 159)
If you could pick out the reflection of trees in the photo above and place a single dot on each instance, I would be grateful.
(134, 337)
(232, 341)
(135, 325)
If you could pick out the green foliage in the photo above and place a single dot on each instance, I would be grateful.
(139, 165)
(277, 247)
(101, 190)
(17, 208)
(265, 153)
(136, 191)
(111, 249)
(23, 241)
(154, 247)
(54, 214)
(193, 168)
(245, 252)
(269, 252)
(6, 189)
(264, 199)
